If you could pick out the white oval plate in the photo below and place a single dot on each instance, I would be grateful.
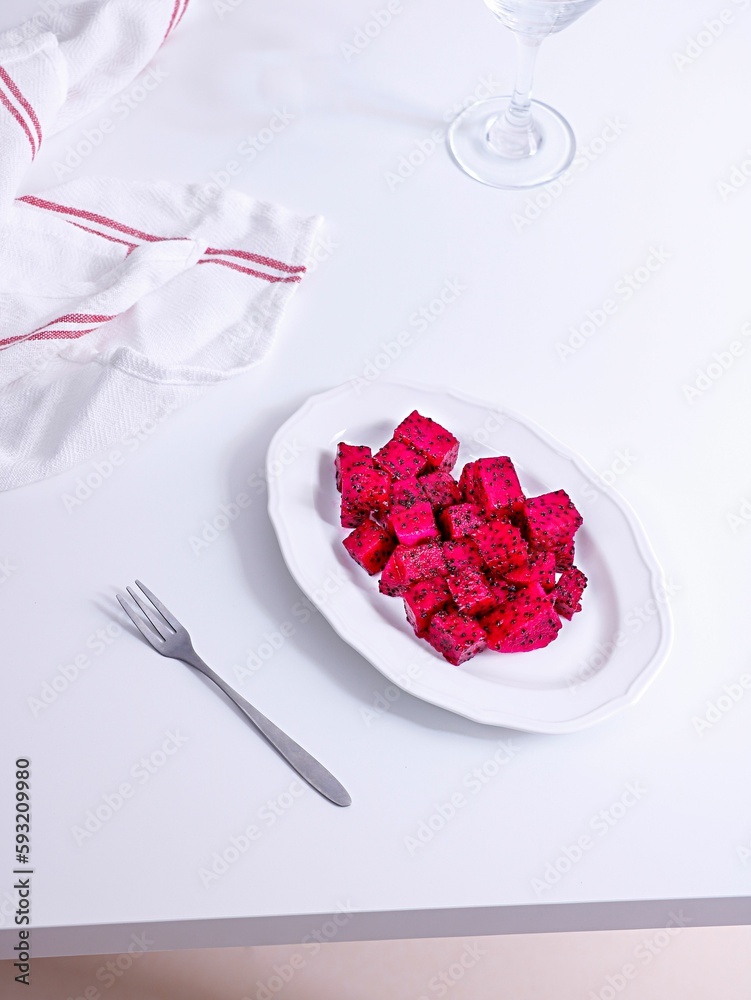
(601, 661)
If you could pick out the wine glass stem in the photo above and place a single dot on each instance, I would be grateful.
(514, 133)
(519, 111)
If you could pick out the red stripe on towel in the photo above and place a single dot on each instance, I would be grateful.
(258, 259)
(172, 23)
(21, 121)
(185, 7)
(13, 88)
(294, 270)
(247, 270)
(105, 236)
(80, 213)
(47, 335)
(44, 333)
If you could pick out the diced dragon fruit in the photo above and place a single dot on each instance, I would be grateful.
(407, 492)
(411, 517)
(539, 569)
(461, 554)
(414, 524)
(568, 591)
(441, 489)
(399, 460)
(460, 520)
(457, 637)
(409, 564)
(502, 590)
(495, 486)
(467, 482)
(423, 599)
(525, 621)
(364, 491)
(521, 576)
(543, 563)
(501, 546)
(552, 520)
(501, 555)
(564, 557)
(350, 457)
(471, 592)
(425, 435)
(370, 546)
(391, 582)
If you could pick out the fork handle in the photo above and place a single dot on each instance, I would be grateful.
(306, 766)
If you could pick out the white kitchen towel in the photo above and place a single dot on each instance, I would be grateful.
(119, 300)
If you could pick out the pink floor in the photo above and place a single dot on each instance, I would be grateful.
(693, 964)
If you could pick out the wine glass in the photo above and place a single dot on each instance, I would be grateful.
(513, 141)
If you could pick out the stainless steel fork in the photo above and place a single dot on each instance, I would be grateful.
(168, 637)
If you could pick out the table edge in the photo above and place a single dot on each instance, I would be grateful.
(384, 925)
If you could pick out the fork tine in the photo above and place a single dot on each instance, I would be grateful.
(149, 635)
(160, 627)
(167, 615)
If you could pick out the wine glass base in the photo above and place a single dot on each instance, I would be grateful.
(470, 148)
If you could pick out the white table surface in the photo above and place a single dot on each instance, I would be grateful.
(688, 837)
